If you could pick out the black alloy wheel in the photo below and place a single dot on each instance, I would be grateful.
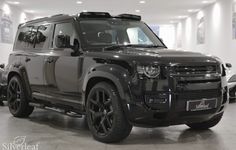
(105, 114)
(16, 97)
(101, 111)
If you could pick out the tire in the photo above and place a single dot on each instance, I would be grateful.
(232, 94)
(206, 125)
(17, 98)
(105, 115)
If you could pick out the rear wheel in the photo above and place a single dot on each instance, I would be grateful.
(207, 124)
(105, 115)
(16, 97)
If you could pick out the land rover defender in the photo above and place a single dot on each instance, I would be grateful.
(115, 71)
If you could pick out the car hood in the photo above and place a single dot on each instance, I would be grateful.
(159, 55)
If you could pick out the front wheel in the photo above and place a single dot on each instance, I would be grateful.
(16, 97)
(207, 124)
(105, 115)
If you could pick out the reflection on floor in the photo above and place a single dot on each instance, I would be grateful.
(52, 131)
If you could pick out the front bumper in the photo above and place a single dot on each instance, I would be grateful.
(162, 102)
(175, 113)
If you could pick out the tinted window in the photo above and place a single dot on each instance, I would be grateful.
(42, 37)
(66, 29)
(26, 37)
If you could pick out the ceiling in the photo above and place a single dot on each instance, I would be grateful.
(152, 11)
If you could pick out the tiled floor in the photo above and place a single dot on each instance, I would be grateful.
(52, 131)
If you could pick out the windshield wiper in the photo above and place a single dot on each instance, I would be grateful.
(155, 46)
(115, 47)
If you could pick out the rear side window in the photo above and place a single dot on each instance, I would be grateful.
(33, 37)
(26, 37)
(42, 37)
(65, 29)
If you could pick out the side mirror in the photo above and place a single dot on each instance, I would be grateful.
(228, 65)
(2, 66)
(62, 41)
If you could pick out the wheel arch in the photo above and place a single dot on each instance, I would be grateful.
(21, 73)
(114, 76)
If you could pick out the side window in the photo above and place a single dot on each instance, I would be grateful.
(42, 37)
(66, 29)
(26, 37)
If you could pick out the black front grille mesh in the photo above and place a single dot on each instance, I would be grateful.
(208, 69)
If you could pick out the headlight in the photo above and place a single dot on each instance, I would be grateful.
(150, 71)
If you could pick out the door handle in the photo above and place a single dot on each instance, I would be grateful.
(27, 59)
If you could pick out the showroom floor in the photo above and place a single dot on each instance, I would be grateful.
(52, 131)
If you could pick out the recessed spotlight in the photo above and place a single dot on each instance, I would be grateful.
(79, 2)
(13, 2)
(208, 1)
(29, 11)
(137, 10)
(142, 2)
(182, 17)
(193, 10)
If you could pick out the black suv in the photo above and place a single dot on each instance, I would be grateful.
(114, 70)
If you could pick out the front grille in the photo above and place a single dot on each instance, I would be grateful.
(207, 69)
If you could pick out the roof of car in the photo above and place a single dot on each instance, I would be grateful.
(83, 15)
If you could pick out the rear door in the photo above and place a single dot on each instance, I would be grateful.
(38, 40)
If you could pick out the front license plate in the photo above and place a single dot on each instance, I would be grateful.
(199, 105)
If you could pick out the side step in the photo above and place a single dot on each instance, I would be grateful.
(58, 110)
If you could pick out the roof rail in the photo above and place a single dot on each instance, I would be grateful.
(129, 16)
(95, 15)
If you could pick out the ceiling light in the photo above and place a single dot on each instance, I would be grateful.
(208, 1)
(182, 17)
(79, 2)
(29, 11)
(137, 10)
(193, 10)
(85, 11)
(13, 2)
(142, 2)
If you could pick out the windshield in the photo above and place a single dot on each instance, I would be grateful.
(116, 32)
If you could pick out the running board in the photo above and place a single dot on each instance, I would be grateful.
(61, 111)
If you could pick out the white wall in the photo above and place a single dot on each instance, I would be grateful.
(218, 32)
(166, 34)
(17, 16)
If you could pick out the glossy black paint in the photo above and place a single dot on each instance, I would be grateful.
(59, 78)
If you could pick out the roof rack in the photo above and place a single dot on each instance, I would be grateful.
(95, 15)
(129, 16)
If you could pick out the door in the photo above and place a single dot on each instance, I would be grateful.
(33, 59)
(63, 69)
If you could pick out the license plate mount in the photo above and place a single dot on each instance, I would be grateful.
(201, 105)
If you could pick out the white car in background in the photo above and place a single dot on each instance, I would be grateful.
(231, 78)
